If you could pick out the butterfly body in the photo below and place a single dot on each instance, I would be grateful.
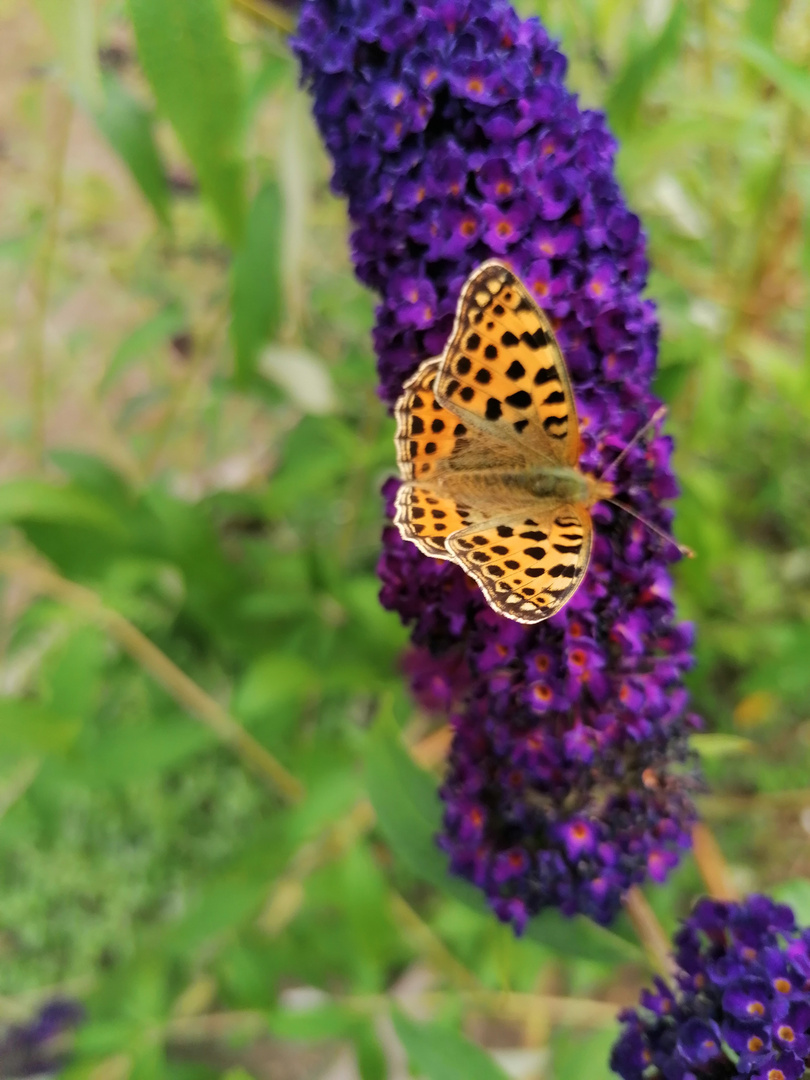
(533, 485)
(488, 449)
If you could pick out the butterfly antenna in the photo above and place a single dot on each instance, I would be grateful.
(659, 414)
(687, 552)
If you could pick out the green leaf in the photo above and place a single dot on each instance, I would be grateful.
(326, 1021)
(793, 80)
(193, 71)
(442, 1054)
(576, 1055)
(130, 757)
(720, 744)
(371, 1061)
(127, 126)
(760, 19)
(72, 24)
(30, 727)
(409, 815)
(641, 69)
(151, 334)
(37, 500)
(256, 298)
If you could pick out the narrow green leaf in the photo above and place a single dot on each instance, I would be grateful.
(793, 80)
(72, 24)
(641, 69)
(760, 19)
(442, 1054)
(409, 815)
(127, 126)
(720, 744)
(192, 68)
(256, 300)
(371, 1061)
(37, 500)
(143, 339)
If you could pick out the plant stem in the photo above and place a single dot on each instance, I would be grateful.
(41, 277)
(267, 13)
(43, 579)
(650, 932)
(712, 865)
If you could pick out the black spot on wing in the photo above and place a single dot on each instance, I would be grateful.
(473, 341)
(509, 339)
(521, 399)
(544, 375)
(536, 340)
(519, 425)
(555, 421)
(563, 571)
(493, 410)
(536, 534)
(463, 365)
(536, 553)
(491, 352)
(430, 448)
(437, 425)
(556, 397)
(568, 549)
(516, 370)
(505, 531)
(417, 425)
(459, 430)
(483, 376)
(467, 393)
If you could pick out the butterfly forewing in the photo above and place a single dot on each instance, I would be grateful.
(427, 432)
(528, 566)
(502, 370)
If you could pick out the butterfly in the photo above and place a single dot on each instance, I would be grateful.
(488, 450)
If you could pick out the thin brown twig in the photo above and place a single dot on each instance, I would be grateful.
(42, 578)
(712, 865)
(268, 14)
(431, 945)
(650, 932)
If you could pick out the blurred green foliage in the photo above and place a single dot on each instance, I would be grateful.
(192, 436)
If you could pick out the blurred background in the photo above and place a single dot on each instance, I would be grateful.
(194, 667)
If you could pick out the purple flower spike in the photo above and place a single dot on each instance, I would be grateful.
(741, 1007)
(454, 140)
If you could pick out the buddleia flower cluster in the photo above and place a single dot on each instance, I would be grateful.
(38, 1047)
(455, 140)
(741, 1005)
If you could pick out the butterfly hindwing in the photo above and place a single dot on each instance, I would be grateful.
(528, 565)
(428, 518)
(502, 369)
